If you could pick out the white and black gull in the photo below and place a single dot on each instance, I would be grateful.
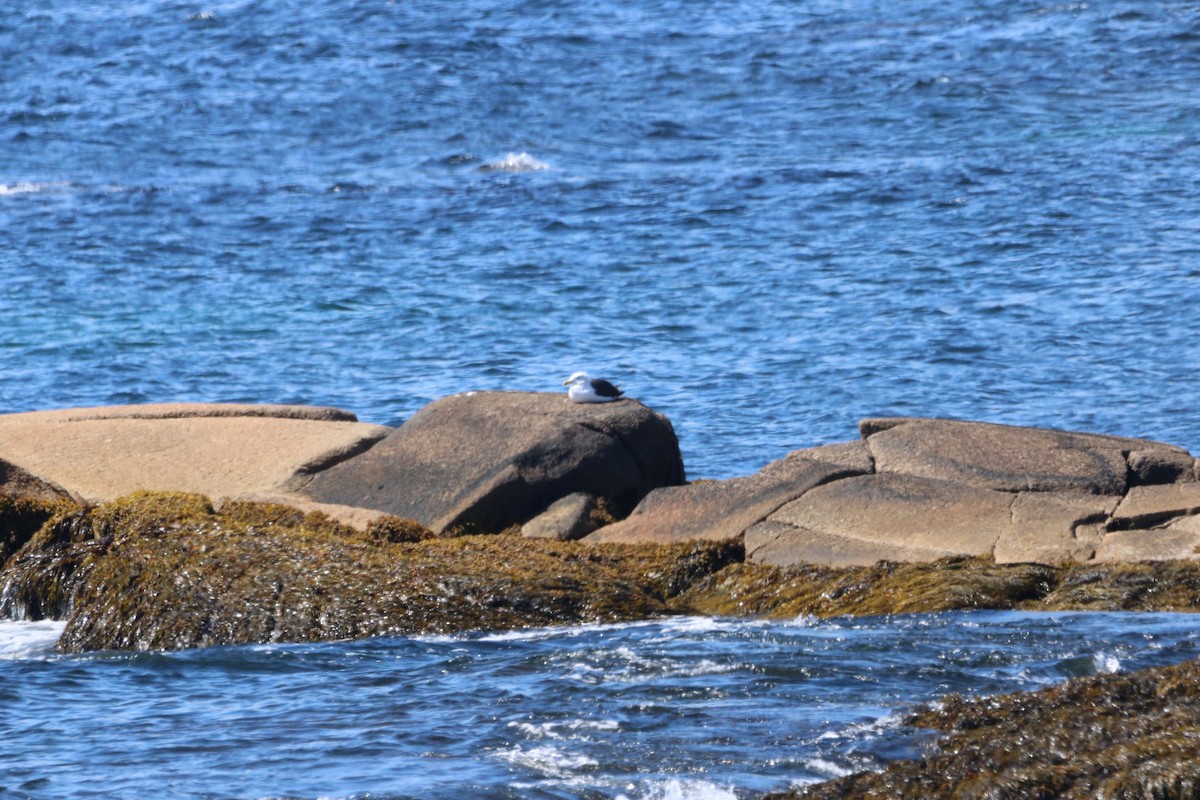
(585, 389)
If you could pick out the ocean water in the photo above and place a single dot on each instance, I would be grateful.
(681, 709)
(765, 218)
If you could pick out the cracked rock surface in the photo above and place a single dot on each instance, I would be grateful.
(915, 490)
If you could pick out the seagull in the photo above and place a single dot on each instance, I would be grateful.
(591, 390)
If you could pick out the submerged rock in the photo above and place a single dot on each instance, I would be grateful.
(485, 461)
(1107, 736)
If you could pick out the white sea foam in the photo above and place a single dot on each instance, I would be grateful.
(19, 640)
(548, 760)
(826, 768)
(516, 162)
(26, 187)
(675, 789)
(534, 634)
(570, 729)
(864, 730)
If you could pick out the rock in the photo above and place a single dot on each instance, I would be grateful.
(1146, 506)
(484, 461)
(217, 450)
(1180, 540)
(870, 518)
(1124, 735)
(1054, 528)
(1162, 465)
(1009, 458)
(723, 510)
(854, 456)
(167, 571)
(565, 520)
(189, 410)
(778, 544)
(16, 482)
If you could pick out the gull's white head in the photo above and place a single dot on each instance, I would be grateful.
(578, 376)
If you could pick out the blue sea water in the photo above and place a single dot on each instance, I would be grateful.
(766, 218)
(683, 709)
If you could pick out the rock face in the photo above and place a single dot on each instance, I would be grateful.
(722, 510)
(565, 520)
(484, 461)
(922, 489)
(848, 521)
(216, 449)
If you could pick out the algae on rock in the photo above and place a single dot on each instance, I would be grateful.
(1105, 736)
(167, 571)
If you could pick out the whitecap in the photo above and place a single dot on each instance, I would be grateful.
(569, 729)
(20, 640)
(516, 162)
(548, 760)
(25, 187)
(676, 789)
(827, 768)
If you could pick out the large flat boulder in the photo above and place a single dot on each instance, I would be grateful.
(1054, 528)
(723, 510)
(484, 461)
(1147, 506)
(869, 518)
(1009, 458)
(215, 449)
(1179, 540)
(778, 544)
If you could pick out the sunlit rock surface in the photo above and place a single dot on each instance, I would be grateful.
(923, 489)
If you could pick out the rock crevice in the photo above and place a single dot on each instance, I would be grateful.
(921, 489)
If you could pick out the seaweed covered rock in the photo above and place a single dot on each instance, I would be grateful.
(1109, 736)
(21, 518)
(485, 461)
(954, 583)
(167, 570)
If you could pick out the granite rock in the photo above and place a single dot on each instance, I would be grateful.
(1054, 528)
(216, 449)
(566, 520)
(723, 510)
(869, 518)
(485, 461)
(1009, 458)
(1178, 541)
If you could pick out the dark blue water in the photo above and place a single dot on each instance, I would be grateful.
(766, 219)
(691, 709)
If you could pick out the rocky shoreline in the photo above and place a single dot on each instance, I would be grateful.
(189, 525)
